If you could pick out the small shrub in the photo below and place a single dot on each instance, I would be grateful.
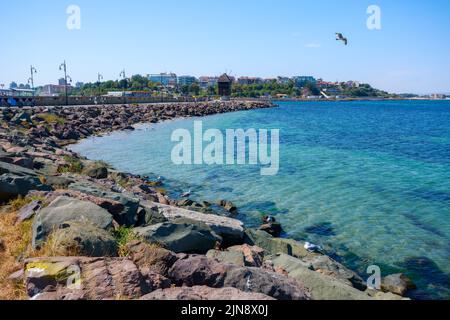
(124, 236)
(124, 183)
(74, 165)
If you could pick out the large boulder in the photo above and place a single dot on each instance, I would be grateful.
(232, 257)
(272, 284)
(96, 171)
(12, 186)
(199, 270)
(84, 239)
(151, 258)
(267, 242)
(397, 284)
(314, 261)
(16, 170)
(128, 216)
(81, 278)
(253, 255)
(228, 206)
(330, 267)
(58, 182)
(64, 209)
(150, 215)
(180, 237)
(322, 287)
(113, 207)
(231, 230)
(205, 293)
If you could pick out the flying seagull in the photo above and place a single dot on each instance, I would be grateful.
(340, 37)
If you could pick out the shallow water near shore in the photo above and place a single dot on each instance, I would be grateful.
(370, 181)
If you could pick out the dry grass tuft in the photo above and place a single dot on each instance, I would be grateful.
(17, 242)
(19, 203)
(55, 247)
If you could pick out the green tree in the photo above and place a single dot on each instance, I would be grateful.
(194, 89)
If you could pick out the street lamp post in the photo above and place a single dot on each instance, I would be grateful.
(31, 79)
(99, 79)
(124, 77)
(63, 67)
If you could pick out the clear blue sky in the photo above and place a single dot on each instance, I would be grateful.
(245, 37)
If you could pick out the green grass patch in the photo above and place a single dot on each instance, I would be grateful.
(123, 237)
(51, 118)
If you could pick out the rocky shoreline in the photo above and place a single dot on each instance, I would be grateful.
(91, 232)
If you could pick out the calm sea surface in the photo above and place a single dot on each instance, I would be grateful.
(370, 181)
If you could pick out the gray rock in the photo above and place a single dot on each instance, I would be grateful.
(385, 296)
(398, 284)
(264, 240)
(85, 239)
(232, 257)
(322, 287)
(64, 209)
(16, 170)
(150, 215)
(12, 186)
(205, 293)
(314, 261)
(96, 171)
(231, 230)
(328, 266)
(128, 217)
(260, 281)
(58, 181)
(27, 212)
(228, 206)
(180, 237)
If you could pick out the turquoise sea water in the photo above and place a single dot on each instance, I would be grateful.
(370, 181)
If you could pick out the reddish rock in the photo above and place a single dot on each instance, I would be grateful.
(151, 258)
(74, 278)
(199, 270)
(16, 150)
(205, 293)
(162, 199)
(253, 255)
